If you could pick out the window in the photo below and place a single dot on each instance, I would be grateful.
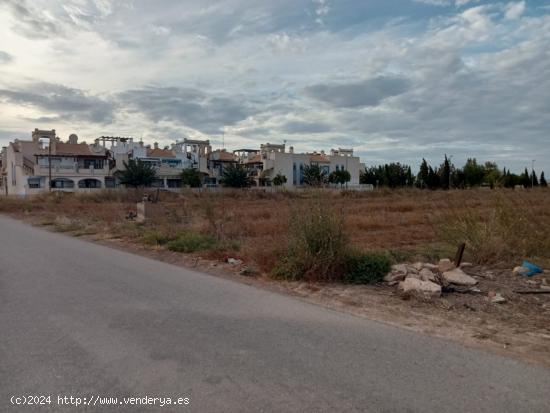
(294, 175)
(35, 182)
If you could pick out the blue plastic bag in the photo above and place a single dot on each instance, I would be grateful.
(533, 269)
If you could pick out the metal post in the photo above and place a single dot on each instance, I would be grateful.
(50, 165)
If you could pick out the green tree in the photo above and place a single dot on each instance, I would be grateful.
(445, 173)
(314, 175)
(279, 179)
(534, 179)
(525, 179)
(137, 173)
(339, 177)
(191, 177)
(422, 177)
(473, 173)
(235, 176)
(433, 180)
(492, 174)
(543, 182)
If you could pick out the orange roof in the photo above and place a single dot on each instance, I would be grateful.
(73, 149)
(222, 156)
(315, 157)
(160, 153)
(255, 159)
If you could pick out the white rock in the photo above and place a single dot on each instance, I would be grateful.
(234, 261)
(427, 275)
(466, 264)
(458, 277)
(399, 268)
(498, 299)
(411, 270)
(394, 277)
(520, 270)
(431, 267)
(445, 264)
(418, 266)
(424, 288)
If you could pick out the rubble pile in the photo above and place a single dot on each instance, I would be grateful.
(430, 280)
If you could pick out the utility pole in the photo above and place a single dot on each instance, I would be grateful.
(50, 165)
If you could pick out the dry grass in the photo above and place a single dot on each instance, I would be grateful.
(254, 225)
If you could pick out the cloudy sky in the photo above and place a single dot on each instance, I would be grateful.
(397, 80)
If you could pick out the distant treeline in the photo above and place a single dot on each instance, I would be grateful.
(447, 175)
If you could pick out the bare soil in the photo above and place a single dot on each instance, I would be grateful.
(403, 222)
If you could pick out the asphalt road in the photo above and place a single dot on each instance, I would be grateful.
(82, 320)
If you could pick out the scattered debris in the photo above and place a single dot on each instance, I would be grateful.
(426, 289)
(427, 275)
(496, 298)
(459, 277)
(445, 265)
(531, 268)
(541, 290)
(234, 261)
(519, 270)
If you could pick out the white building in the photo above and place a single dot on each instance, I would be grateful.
(30, 167)
(271, 159)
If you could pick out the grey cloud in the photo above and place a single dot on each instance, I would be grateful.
(193, 108)
(370, 92)
(29, 22)
(68, 103)
(298, 126)
(5, 57)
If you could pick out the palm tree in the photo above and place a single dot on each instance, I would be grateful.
(314, 175)
(279, 179)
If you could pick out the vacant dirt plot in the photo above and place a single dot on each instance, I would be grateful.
(501, 228)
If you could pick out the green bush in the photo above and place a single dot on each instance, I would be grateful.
(191, 242)
(317, 246)
(366, 268)
(155, 237)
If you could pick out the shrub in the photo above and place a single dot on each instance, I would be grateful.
(508, 233)
(366, 268)
(317, 246)
(191, 242)
(155, 237)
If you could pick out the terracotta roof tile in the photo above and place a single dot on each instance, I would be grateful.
(160, 153)
(315, 157)
(255, 159)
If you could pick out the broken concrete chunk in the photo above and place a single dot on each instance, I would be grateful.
(430, 266)
(424, 288)
(458, 277)
(394, 277)
(445, 264)
(427, 275)
(399, 268)
(418, 266)
(520, 270)
(234, 261)
(466, 265)
(496, 298)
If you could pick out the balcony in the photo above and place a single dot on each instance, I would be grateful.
(70, 170)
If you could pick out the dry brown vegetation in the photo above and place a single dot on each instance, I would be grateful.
(499, 226)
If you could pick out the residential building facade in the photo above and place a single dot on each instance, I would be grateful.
(32, 166)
